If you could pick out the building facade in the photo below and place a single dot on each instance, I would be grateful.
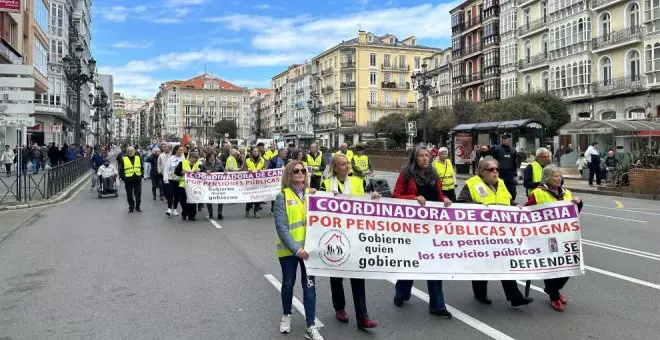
(440, 66)
(281, 90)
(299, 118)
(257, 106)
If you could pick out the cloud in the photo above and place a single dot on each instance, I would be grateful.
(137, 44)
(224, 41)
(148, 13)
(251, 83)
(177, 3)
(263, 6)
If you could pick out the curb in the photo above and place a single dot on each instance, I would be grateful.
(53, 200)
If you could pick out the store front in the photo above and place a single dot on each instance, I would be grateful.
(611, 133)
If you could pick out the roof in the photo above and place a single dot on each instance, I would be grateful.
(198, 83)
(263, 91)
(503, 125)
(608, 126)
(377, 42)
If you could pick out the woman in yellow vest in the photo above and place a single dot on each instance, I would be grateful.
(446, 173)
(232, 163)
(188, 210)
(360, 164)
(290, 224)
(300, 156)
(254, 163)
(550, 191)
(340, 182)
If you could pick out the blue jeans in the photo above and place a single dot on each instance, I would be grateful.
(35, 165)
(436, 296)
(289, 266)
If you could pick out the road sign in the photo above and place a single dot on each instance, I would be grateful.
(411, 128)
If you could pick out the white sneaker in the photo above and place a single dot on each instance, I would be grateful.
(285, 324)
(168, 212)
(312, 333)
(175, 213)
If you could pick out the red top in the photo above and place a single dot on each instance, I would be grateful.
(408, 191)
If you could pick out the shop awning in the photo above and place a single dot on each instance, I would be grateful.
(499, 126)
(648, 134)
(588, 127)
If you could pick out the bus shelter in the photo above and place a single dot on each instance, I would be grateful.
(611, 133)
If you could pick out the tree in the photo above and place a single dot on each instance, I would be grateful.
(464, 111)
(225, 126)
(143, 141)
(555, 108)
(172, 137)
(393, 126)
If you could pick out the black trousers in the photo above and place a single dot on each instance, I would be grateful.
(157, 185)
(480, 289)
(451, 194)
(359, 296)
(511, 186)
(209, 207)
(256, 206)
(315, 182)
(133, 193)
(188, 210)
(594, 171)
(552, 287)
(172, 194)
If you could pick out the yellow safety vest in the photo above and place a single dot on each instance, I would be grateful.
(315, 163)
(269, 154)
(254, 168)
(537, 174)
(361, 162)
(296, 214)
(542, 196)
(132, 169)
(231, 163)
(481, 193)
(446, 173)
(185, 167)
(357, 186)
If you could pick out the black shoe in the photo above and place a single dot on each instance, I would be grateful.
(220, 217)
(183, 218)
(521, 302)
(398, 301)
(154, 198)
(138, 209)
(192, 219)
(162, 198)
(483, 300)
(130, 210)
(441, 313)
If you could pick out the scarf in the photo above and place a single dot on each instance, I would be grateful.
(559, 194)
(422, 178)
(334, 185)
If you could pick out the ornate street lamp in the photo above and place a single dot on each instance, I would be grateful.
(338, 115)
(76, 76)
(103, 110)
(424, 82)
(314, 105)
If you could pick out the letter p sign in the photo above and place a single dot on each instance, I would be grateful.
(411, 128)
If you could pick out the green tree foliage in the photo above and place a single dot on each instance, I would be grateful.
(225, 126)
(393, 126)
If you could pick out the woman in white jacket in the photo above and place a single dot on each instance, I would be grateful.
(172, 181)
(7, 158)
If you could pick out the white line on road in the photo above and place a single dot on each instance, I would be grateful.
(623, 277)
(614, 217)
(619, 209)
(296, 303)
(538, 289)
(215, 224)
(611, 247)
(467, 319)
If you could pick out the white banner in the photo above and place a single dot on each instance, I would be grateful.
(399, 239)
(233, 187)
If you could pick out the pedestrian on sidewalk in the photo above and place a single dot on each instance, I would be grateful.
(290, 221)
(172, 180)
(191, 164)
(340, 182)
(213, 165)
(7, 158)
(593, 161)
(131, 170)
(550, 191)
(153, 174)
(419, 181)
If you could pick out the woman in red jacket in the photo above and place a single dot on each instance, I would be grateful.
(419, 181)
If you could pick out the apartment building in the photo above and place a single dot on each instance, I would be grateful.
(299, 120)
(363, 79)
(257, 106)
(194, 106)
(282, 104)
(440, 66)
(476, 50)
(508, 48)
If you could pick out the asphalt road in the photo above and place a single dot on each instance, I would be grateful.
(86, 269)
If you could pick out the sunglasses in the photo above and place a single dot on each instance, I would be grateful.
(299, 171)
(492, 169)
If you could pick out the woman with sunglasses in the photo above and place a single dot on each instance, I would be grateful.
(489, 189)
(290, 217)
(340, 182)
(419, 181)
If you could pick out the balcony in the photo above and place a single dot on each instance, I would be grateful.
(472, 78)
(526, 2)
(348, 64)
(300, 91)
(471, 23)
(327, 89)
(455, 54)
(474, 48)
(328, 71)
(347, 85)
(300, 106)
(532, 27)
(347, 104)
(390, 105)
(329, 107)
(628, 35)
(395, 86)
(601, 4)
(348, 121)
(618, 86)
(532, 62)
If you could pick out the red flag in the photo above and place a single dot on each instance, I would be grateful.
(185, 140)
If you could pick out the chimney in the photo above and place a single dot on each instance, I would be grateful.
(362, 37)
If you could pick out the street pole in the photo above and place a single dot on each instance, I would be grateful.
(425, 114)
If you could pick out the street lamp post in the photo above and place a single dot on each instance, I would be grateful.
(338, 115)
(424, 82)
(314, 106)
(76, 76)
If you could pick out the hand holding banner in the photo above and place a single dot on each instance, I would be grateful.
(357, 237)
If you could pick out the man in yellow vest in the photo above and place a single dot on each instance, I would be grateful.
(446, 173)
(488, 189)
(270, 153)
(534, 171)
(188, 210)
(254, 163)
(131, 171)
(315, 160)
(343, 150)
(361, 164)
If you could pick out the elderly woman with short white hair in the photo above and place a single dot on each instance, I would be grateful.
(551, 190)
(446, 173)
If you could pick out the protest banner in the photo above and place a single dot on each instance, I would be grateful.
(357, 237)
(233, 187)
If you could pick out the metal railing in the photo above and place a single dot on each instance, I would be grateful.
(618, 37)
(533, 26)
(348, 64)
(477, 47)
(532, 61)
(618, 85)
(473, 21)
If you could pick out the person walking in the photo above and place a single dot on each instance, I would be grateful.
(340, 182)
(130, 172)
(533, 172)
(276, 163)
(171, 180)
(191, 164)
(213, 165)
(509, 161)
(419, 181)
(254, 163)
(488, 189)
(7, 158)
(315, 160)
(550, 191)
(446, 173)
(152, 160)
(290, 220)
(161, 164)
(593, 161)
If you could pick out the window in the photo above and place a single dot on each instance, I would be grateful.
(372, 79)
(418, 63)
(386, 98)
(608, 115)
(386, 60)
(392, 40)
(373, 116)
(526, 18)
(633, 15)
(373, 97)
(545, 81)
(528, 51)
(605, 24)
(544, 45)
(56, 51)
(403, 98)
(469, 95)
(606, 70)
(41, 15)
(388, 77)
(40, 57)
(402, 61)
(633, 70)
(528, 84)
(372, 60)
(402, 78)
(59, 20)
(491, 33)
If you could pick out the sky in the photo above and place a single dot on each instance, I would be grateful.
(247, 42)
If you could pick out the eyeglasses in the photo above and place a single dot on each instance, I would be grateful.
(492, 169)
(299, 171)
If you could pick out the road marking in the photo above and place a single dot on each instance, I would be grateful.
(627, 210)
(618, 204)
(465, 318)
(215, 224)
(618, 218)
(623, 277)
(296, 303)
(624, 250)
(538, 289)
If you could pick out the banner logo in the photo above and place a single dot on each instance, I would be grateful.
(198, 193)
(335, 247)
